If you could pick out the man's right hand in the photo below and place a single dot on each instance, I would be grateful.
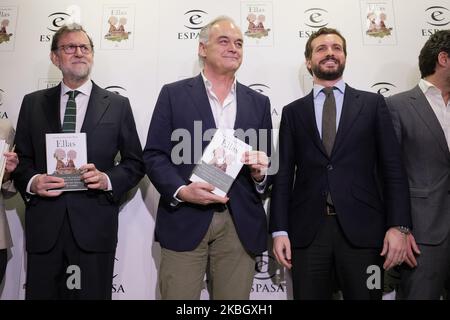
(200, 193)
(282, 250)
(43, 182)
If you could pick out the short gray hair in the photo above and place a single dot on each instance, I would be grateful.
(206, 30)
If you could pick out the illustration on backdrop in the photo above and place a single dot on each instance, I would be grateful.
(116, 30)
(256, 27)
(4, 35)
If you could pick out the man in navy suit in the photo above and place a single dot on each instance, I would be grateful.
(195, 227)
(75, 233)
(341, 193)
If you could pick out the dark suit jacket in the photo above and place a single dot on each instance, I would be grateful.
(427, 160)
(110, 128)
(365, 144)
(179, 106)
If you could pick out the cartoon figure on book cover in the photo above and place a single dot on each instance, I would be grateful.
(59, 155)
(230, 158)
(70, 165)
(65, 167)
(218, 159)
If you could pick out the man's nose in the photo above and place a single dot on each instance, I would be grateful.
(232, 47)
(78, 51)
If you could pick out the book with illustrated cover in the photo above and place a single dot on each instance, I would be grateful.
(66, 153)
(221, 161)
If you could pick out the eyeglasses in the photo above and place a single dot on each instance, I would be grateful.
(71, 48)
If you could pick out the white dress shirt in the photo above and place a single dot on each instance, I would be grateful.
(442, 110)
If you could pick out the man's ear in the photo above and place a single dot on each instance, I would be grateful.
(202, 50)
(308, 64)
(443, 57)
(55, 59)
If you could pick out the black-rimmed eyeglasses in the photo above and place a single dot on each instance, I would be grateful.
(72, 48)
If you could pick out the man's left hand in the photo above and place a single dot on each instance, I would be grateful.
(258, 162)
(93, 178)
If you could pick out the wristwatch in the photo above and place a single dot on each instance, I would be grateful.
(403, 229)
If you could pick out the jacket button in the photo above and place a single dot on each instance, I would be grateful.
(329, 167)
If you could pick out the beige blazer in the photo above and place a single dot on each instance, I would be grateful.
(6, 132)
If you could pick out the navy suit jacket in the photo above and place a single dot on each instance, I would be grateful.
(180, 105)
(110, 128)
(364, 173)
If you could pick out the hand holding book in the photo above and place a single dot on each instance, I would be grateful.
(258, 162)
(200, 193)
(43, 182)
(93, 178)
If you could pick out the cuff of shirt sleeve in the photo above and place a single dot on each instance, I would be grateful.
(175, 201)
(279, 233)
(109, 183)
(29, 184)
(260, 185)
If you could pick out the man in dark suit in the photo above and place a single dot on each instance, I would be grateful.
(195, 227)
(337, 147)
(71, 236)
(423, 129)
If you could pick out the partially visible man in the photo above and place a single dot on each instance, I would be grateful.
(422, 123)
(327, 213)
(195, 227)
(76, 229)
(7, 189)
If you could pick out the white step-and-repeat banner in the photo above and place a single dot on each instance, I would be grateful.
(158, 45)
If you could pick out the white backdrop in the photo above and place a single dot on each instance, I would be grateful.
(160, 46)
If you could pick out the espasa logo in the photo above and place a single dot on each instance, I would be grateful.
(438, 16)
(316, 17)
(57, 20)
(195, 19)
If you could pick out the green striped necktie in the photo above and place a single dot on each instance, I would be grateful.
(70, 116)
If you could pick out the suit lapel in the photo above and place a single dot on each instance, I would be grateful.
(198, 94)
(243, 107)
(309, 122)
(52, 109)
(97, 106)
(351, 107)
(423, 108)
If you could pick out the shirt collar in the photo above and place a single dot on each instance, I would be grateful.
(427, 86)
(85, 88)
(340, 85)
(208, 84)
